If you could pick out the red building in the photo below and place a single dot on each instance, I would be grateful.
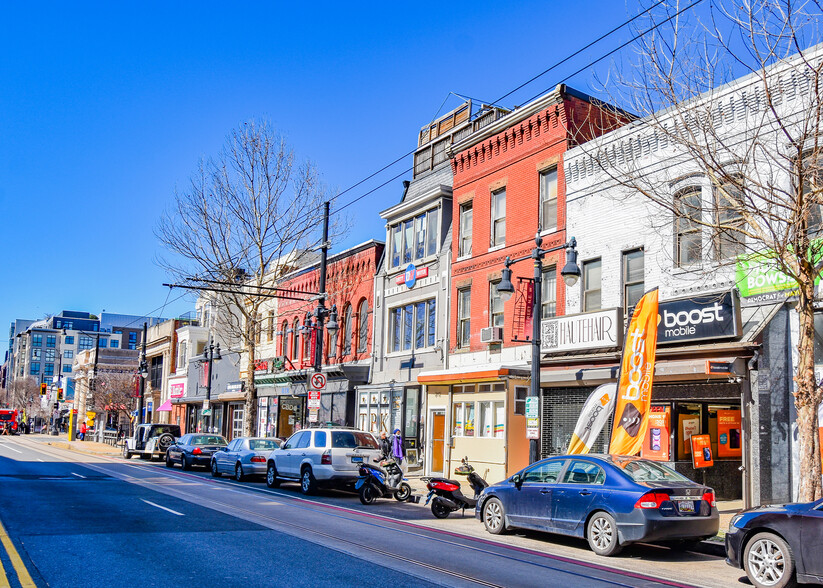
(508, 188)
(282, 380)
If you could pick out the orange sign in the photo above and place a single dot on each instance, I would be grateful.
(702, 451)
(634, 391)
(728, 433)
(656, 441)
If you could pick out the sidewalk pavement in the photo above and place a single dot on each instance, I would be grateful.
(88, 447)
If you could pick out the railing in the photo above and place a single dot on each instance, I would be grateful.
(111, 438)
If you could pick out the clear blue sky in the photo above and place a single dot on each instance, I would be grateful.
(106, 107)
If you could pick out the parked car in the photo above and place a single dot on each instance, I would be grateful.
(244, 456)
(150, 440)
(778, 546)
(328, 457)
(609, 500)
(194, 449)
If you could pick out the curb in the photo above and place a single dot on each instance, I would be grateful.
(710, 547)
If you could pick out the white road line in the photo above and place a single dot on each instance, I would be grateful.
(78, 475)
(179, 514)
(10, 447)
(43, 460)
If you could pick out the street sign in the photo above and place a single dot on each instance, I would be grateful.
(314, 399)
(205, 405)
(532, 407)
(532, 433)
(313, 415)
(317, 381)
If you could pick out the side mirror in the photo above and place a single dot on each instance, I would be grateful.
(517, 480)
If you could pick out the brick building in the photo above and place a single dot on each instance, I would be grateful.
(281, 380)
(508, 187)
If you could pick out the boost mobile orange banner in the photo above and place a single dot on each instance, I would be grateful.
(634, 391)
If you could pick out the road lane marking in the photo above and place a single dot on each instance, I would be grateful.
(17, 563)
(10, 447)
(43, 460)
(4, 579)
(78, 475)
(179, 514)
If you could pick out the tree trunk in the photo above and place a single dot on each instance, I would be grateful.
(251, 391)
(807, 398)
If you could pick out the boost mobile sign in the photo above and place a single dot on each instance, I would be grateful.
(712, 316)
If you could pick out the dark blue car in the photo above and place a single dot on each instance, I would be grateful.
(609, 500)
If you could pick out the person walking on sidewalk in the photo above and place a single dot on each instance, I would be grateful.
(385, 445)
(83, 430)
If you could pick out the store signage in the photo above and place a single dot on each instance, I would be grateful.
(234, 387)
(702, 451)
(589, 330)
(656, 442)
(711, 316)
(719, 368)
(411, 275)
(177, 390)
(757, 274)
(728, 433)
(261, 366)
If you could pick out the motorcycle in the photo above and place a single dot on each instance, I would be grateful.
(383, 481)
(445, 495)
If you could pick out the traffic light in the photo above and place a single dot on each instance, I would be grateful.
(60, 394)
(43, 389)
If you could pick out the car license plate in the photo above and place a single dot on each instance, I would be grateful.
(685, 506)
(357, 459)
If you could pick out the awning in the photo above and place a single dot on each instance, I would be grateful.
(230, 396)
(471, 374)
(165, 407)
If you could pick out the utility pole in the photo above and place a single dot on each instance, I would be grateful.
(142, 369)
(321, 301)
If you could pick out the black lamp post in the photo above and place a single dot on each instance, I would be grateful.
(210, 354)
(143, 371)
(570, 274)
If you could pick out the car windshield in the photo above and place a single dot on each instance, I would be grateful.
(208, 440)
(263, 444)
(5, 416)
(648, 471)
(353, 439)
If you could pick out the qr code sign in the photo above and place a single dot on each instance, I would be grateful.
(548, 337)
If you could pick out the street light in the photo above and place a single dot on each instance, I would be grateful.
(210, 354)
(570, 274)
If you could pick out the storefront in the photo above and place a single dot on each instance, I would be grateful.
(386, 408)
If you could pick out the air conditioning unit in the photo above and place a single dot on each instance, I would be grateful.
(491, 335)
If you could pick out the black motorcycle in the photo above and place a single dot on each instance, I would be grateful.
(384, 481)
(445, 495)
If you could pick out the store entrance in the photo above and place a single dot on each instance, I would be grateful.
(438, 440)
(290, 418)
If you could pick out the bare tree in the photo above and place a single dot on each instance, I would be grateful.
(243, 222)
(733, 95)
(113, 391)
(21, 390)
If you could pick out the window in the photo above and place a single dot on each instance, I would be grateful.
(49, 369)
(58, 324)
(347, 330)
(728, 201)
(50, 354)
(495, 305)
(37, 340)
(181, 354)
(156, 372)
(408, 240)
(633, 279)
(465, 243)
(132, 340)
(320, 439)
(688, 212)
(35, 368)
(284, 339)
(69, 340)
(85, 342)
(545, 473)
(270, 335)
(520, 393)
(115, 343)
(37, 354)
(548, 199)
(464, 303)
(68, 354)
(66, 369)
(432, 233)
(413, 239)
(498, 205)
(591, 285)
(51, 340)
(295, 337)
(491, 419)
(412, 324)
(103, 342)
(237, 415)
(548, 292)
(396, 246)
(463, 419)
(584, 472)
(303, 441)
(363, 326)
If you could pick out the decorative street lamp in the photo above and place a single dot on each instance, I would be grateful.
(570, 274)
(210, 354)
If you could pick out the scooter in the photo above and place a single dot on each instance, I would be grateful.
(384, 481)
(445, 495)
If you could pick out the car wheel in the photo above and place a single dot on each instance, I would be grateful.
(367, 494)
(271, 476)
(238, 473)
(184, 462)
(126, 453)
(602, 534)
(494, 516)
(168, 461)
(403, 492)
(440, 510)
(769, 562)
(215, 473)
(308, 483)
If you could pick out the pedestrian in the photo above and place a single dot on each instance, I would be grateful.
(83, 430)
(385, 445)
(397, 449)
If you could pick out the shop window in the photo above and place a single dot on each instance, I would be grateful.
(688, 216)
(463, 419)
(491, 419)
(463, 388)
(721, 422)
(412, 324)
(592, 285)
(496, 387)
(520, 393)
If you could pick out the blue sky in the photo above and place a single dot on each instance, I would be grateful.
(105, 108)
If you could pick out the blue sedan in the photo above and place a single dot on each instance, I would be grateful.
(609, 500)
(243, 457)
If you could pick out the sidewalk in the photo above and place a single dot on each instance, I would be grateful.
(62, 441)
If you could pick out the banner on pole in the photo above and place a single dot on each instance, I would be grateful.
(599, 406)
(634, 391)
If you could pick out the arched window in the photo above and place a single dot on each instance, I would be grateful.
(363, 326)
(284, 339)
(295, 339)
(347, 329)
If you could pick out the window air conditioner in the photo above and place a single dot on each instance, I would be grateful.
(491, 335)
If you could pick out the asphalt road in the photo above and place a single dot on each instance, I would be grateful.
(78, 520)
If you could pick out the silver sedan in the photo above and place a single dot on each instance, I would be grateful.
(243, 456)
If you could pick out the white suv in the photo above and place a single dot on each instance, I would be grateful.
(321, 457)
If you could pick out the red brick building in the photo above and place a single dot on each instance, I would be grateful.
(282, 380)
(508, 187)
